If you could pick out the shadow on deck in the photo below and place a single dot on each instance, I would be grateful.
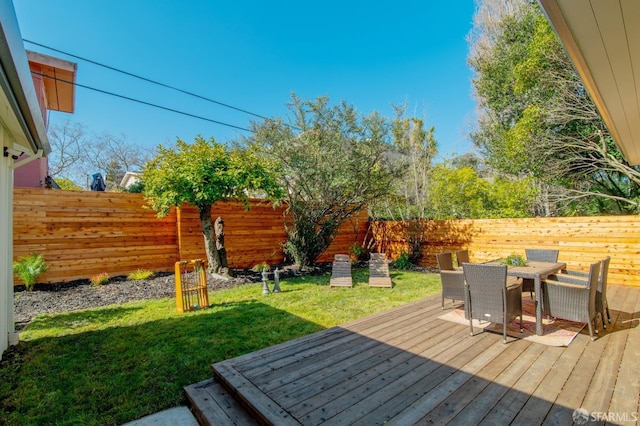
(407, 366)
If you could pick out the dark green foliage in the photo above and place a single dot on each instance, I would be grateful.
(334, 163)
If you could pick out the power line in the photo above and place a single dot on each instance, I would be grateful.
(148, 80)
(145, 102)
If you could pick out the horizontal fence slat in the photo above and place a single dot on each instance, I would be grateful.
(580, 240)
(84, 233)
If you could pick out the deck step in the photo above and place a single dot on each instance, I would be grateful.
(213, 405)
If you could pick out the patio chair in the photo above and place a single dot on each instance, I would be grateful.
(538, 255)
(379, 271)
(341, 271)
(452, 280)
(573, 298)
(462, 256)
(489, 298)
(602, 305)
(445, 261)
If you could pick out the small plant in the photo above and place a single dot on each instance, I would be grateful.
(355, 251)
(403, 261)
(140, 274)
(28, 268)
(99, 279)
(515, 260)
(262, 267)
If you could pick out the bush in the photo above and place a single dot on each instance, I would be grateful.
(140, 274)
(356, 251)
(28, 268)
(99, 279)
(261, 267)
(403, 261)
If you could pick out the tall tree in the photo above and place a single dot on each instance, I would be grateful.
(67, 142)
(334, 163)
(415, 148)
(536, 118)
(202, 174)
(76, 154)
(114, 156)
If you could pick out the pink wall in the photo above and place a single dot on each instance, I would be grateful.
(33, 174)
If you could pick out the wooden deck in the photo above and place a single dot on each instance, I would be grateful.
(406, 366)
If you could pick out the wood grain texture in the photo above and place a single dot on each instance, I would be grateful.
(84, 233)
(580, 240)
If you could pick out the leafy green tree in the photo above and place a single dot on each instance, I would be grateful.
(67, 184)
(334, 163)
(415, 148)
(202, 174)
(460, 193)
(537, 119)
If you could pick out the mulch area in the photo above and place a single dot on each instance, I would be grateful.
(77, 295)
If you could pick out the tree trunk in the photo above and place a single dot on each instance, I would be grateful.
(213, 256)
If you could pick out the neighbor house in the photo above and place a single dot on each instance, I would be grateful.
(129, 179)
(53, 79)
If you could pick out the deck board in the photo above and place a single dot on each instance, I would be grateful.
(407, 366)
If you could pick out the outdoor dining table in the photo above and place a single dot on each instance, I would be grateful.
(536, 271)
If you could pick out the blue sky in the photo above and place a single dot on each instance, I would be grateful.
(252, 55)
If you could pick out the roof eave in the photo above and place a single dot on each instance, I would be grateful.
(27, 127)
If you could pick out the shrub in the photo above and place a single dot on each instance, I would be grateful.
(403, 261)
(356, 251)
(28, 268)
(140, 274)
(261, 267)
(99, 279)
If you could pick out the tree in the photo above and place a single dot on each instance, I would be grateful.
(76, 154)
(65, 160)
(202, 174)
(334, 163)
(458, 192)
(114, 156)
(414, 149)
(536, 118)
(67, 184)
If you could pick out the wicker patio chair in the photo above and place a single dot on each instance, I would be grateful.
(379, 271)
(341, 271)
(452, 280)
(538, 255)
(462, 256)
(602, 305)
(573, 298)
(489, 298)
(445, 261)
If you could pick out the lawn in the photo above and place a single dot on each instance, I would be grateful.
(115, 364)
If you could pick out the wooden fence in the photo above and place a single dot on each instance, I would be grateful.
(84, 233)
(581, 240)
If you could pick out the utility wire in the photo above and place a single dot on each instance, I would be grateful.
(145, 102)
(147, 79)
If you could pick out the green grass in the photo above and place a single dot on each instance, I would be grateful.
(115, 364)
